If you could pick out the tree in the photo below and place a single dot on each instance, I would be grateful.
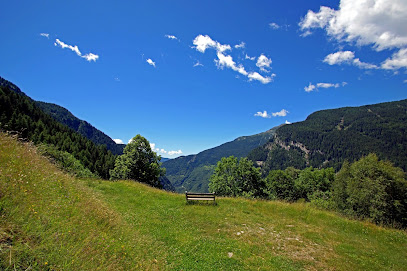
(281, 184)
(138, 162)
(372, 189)
(236, 178)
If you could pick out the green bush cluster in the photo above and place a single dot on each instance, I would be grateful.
(368, 188)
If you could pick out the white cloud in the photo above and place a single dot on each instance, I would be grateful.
(171, 37)
(151, 62)
(405, 81)
(89, 57)
(44, 35)
(198, 64)
(347, 57)
(380, 24)
(263, 63)
(163, 151)
(175, 152)
(131, 140)
(262, 114)
(118, 141)
(281, 113)
(312, 87)
(117, 79)
(261, 78)
(274, 26)
(287, 122)
(240, 45)
(204, 42)
(397, 61)
(250, 58)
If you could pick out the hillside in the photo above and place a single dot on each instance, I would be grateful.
(326, 138)
(84, 128)
(192, 172)
(50, 220)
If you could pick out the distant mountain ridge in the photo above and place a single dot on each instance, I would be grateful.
(192, 172)
(329, 137)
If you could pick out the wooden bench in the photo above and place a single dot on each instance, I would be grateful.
(200, 196)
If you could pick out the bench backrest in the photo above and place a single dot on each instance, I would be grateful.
(197, 196)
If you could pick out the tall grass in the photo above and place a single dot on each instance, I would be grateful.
(50, 220)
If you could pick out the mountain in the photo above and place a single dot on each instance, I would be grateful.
(192, 172)
(329, 137)
(65, 117)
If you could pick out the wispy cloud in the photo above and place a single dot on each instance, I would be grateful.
(240, 45)
(223, 60)
(250, 58)
(172, 37)
(44, 35)
(274, 26)
(197, 64)
(163, 151)
(264, 114)
(312, 87)
(89, 57)
(151, 62)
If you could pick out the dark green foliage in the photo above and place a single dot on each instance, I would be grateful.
(20, 114)
(192, 172)
(66, 161)
(63, 116)
(236, 178)
(327, 138)
(372, 189)
(138, 162)
(281, 184)
(311, 180)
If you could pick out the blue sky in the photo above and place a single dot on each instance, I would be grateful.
(191, 75)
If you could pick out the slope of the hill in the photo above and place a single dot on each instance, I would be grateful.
(326, 138)
(51, 221)
(84, 128)
(192, 172)
(19, 113)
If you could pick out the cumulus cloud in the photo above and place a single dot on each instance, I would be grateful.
(151, 62)
(204, 42)
(347, 57)
(397, 61)
(89, 57)
(262, 114)
(281, 113)
(171, 37)
(44, 35)
(179, 152)
(312, 87)
(287, 122)
(376, 23)
(261, 78)
(118, 141)
(263, 63)
(240, 45)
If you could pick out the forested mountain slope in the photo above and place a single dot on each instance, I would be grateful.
(327, 138)
(192, 172)
(84, 128)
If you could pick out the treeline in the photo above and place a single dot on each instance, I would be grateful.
(19, 113)
(368, 188)
(333, 136)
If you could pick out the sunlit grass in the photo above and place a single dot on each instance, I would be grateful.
(50, 220)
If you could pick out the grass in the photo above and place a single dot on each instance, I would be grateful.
(50, 220)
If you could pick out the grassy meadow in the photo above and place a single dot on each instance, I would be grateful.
(50, 220)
